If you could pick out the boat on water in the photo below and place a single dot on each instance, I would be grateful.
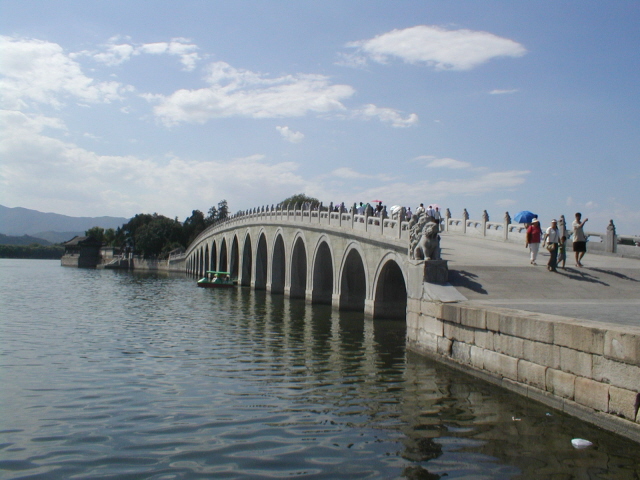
(213, 279)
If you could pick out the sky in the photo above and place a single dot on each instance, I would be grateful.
(124, 107)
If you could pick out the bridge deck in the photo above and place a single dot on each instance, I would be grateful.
(606, 289)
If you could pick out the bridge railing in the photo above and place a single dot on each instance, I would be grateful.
(392, 228)
(397, 227)
(600, 242)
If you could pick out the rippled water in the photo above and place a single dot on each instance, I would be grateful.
(117, 375)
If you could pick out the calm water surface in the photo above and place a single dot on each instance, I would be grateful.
(132, 376)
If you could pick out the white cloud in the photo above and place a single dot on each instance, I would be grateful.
(43, 172)
(349, 173)
(434, 162)
(41, 72)
(289, 135)
(437, 47)
(386, 115)
(503, 92)
(242, 93)
(117, 53)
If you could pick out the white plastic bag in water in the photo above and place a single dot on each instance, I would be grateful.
(580, 443)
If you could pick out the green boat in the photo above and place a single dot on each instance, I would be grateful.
(213, 279)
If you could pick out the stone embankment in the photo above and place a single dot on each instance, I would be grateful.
(570, 339)
(587, 369)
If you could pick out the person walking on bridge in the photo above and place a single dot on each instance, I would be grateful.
(579, 239)
(551, 239)
(534, 233)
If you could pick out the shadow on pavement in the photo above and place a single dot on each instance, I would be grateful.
(581, 275)
(464, 279)
(619, 275)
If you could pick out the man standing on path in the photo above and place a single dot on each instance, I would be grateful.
(552, 238)
(579, 239)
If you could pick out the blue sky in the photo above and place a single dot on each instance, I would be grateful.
(121, 107)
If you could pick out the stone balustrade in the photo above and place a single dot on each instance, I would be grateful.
(391, 228)
(503, 230)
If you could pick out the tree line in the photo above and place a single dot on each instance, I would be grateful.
(154, 235)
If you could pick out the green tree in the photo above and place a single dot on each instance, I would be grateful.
(212, 216)
(109, 237)
(223, 210)
(192, 226)
(96, 232)
(157, 236)
(298, 199)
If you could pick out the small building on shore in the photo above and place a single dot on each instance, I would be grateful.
(81, 252)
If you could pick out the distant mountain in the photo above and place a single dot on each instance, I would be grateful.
(22, 240)
(23, 221)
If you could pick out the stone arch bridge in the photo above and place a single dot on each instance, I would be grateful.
(350, 261)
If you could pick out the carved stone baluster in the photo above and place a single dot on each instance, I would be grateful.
(485, 219)
(465, 218)
(611, 241)
(507, 222)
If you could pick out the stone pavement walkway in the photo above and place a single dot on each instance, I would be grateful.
(606, 289)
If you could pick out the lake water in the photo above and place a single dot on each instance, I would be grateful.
(122, 375)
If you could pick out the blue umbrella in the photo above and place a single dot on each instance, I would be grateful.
(525, 216)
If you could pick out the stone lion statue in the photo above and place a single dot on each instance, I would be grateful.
(426, 244)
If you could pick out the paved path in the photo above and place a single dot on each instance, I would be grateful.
(606, 289)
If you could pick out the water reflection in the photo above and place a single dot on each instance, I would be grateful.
(119, 375)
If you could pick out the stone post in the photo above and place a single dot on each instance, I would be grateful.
(485, 219)
(402, 216)
(447, 217)
(562, 226)
(330, 210)
(465, 217)
(320, 212)
(610, 239)
(507, 222)
(366, 219)
(353, 214)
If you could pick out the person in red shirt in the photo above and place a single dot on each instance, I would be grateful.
(534, 234)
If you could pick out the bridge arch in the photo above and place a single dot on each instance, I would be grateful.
(353, 286)
(247, 260)
(223, 255)
(322, 272)
(262, 265)
(390, 288)
(234, 260)
(278, 264)
(298, 267)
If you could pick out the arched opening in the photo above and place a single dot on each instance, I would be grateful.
(278, 266)
(223, 256)
(353, 284)
(235, 259)
(298, 270)
(247, 261)
(261, 264)
(391, 293)
(214, 256)
(206, 258)
(322, 276)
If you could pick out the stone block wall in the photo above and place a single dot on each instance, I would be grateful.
(588, 369)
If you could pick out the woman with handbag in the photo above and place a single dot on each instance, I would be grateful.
(551, 240)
